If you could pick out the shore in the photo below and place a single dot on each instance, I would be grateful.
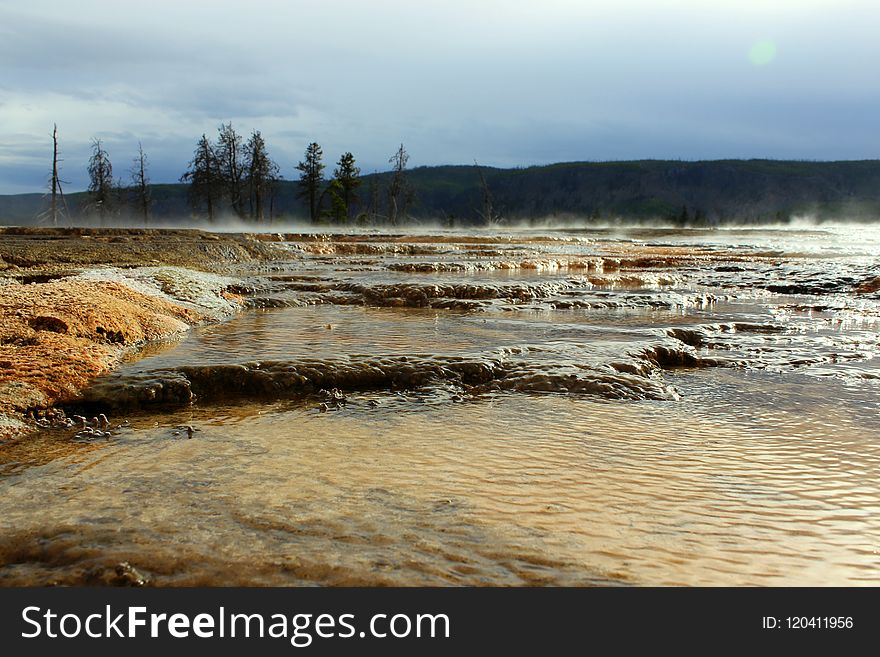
(76, 301)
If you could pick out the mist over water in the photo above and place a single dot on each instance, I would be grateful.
(533, 406)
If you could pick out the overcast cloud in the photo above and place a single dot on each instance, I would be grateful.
(504, 82)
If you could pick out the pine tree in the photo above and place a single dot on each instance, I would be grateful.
(311, 177)
(230, 161)
(203, 177)
(338, 209)
(343, 189)
(262, 174)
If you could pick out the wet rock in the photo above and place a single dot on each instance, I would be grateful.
(670, 358)
(348, 247)
(89, 434)
(136, 392)
(633, 368)
(806, 288)
(869, 285)
(268, 302)
(123, 574)
(745, 327)
(330, 379)
(691, 337)
(334, 396)
(446, 295)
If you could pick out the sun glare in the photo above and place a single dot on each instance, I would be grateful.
(762, 53)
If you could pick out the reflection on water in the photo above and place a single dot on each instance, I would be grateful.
(503, 490)
(762, 468)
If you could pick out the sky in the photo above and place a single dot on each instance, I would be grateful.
(502, 82)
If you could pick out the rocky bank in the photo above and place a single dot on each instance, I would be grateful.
(74, 301)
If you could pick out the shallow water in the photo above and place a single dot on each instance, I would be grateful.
(565, 407)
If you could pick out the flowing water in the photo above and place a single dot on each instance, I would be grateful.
(524, 407)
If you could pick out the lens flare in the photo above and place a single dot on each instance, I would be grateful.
(762, 53)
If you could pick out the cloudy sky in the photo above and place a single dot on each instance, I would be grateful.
(504, 82)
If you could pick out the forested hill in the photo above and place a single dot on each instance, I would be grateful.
(708, 192)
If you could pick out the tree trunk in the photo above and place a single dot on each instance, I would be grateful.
(55, 175)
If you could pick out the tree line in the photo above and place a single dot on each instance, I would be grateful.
(229, 175)
(232, 176)
(675, 192)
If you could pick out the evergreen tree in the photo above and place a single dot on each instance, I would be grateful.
(203, 177)
(230, 160)
(262, 174)
(343, 189)
(338, 209)
(311, 177)
(101, 188)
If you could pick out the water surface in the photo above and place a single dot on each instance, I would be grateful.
(559, 407)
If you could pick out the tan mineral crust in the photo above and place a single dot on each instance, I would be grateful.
(69, 314)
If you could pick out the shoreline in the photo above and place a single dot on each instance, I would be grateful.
(75, 302)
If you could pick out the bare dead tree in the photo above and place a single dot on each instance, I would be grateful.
(55, 182)
(101, 187)
(488, 214)
(55, 190)
(141, 184)
(398, 192)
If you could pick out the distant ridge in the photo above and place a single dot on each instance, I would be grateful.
(700, 192)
